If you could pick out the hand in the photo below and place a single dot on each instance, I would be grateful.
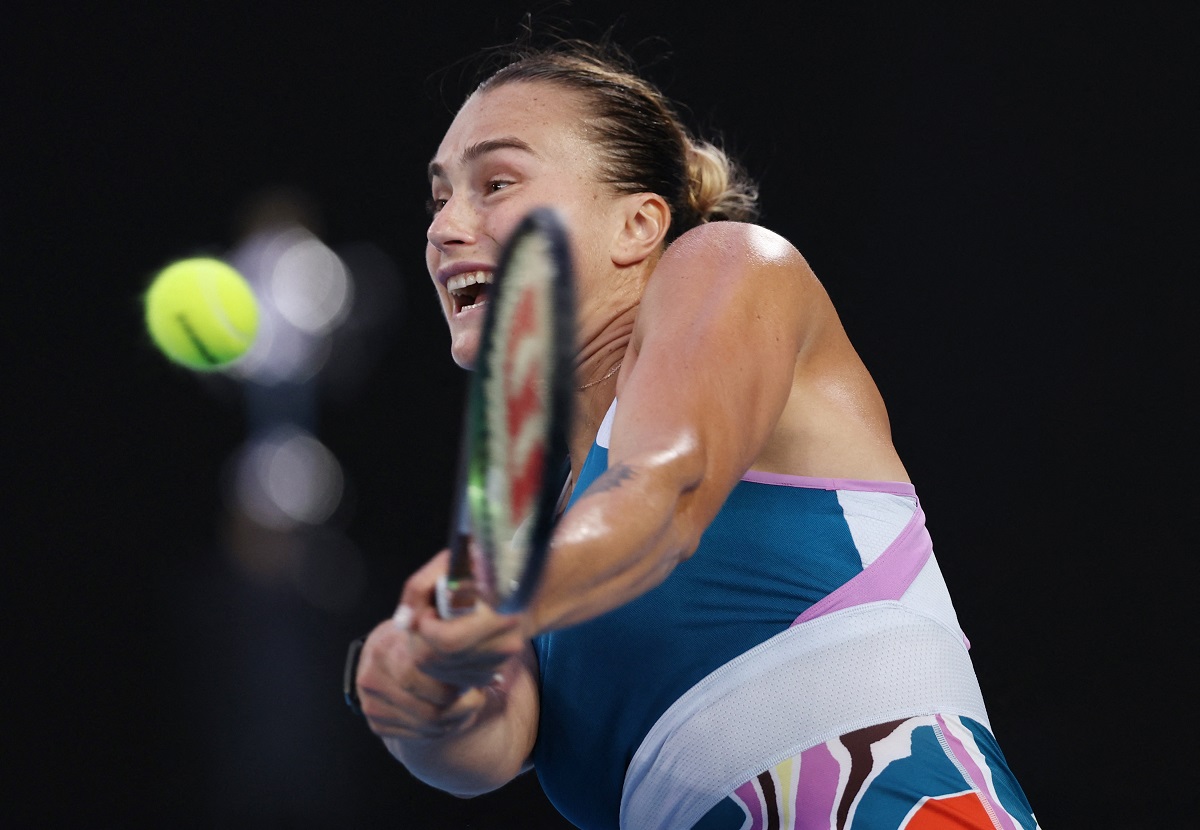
(423, 677)
(399, 700)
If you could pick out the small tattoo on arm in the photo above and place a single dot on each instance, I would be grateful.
(613, 478)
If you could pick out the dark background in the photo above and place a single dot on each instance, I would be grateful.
(999, 199)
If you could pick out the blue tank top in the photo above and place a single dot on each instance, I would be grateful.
(771, 552)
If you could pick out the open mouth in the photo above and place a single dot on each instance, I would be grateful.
(469, 290)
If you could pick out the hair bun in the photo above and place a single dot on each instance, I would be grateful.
(717, 186)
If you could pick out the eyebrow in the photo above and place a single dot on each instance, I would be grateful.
(482, 148)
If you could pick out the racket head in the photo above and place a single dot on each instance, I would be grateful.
(519, 411)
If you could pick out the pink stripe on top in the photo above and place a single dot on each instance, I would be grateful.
(888, 577)
(895, 488)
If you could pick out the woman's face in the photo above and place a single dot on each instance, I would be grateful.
(509, 150)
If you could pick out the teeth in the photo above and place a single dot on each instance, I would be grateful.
(460, 281)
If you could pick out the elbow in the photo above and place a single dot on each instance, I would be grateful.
(681, 473)
(688, 533)
(685, 533)
(685, 552)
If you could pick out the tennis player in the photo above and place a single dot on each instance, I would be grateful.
(742, 623)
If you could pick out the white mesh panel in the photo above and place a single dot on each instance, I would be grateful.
(875, 519)
(807, 685)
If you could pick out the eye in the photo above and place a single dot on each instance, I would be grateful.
(497, 184)
(434, 205)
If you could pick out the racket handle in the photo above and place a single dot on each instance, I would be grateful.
(456, 590)
(455, 597)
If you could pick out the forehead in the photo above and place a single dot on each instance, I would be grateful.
(544, 116)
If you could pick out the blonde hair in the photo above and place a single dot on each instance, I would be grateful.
(644, 144)
(719, 188)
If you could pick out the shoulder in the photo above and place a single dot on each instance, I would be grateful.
(731, 285)
(758, 245)
(734, 256)
(725, 266)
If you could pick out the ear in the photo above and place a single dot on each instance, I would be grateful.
(646, 219)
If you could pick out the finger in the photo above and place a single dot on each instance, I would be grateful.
(402, 687)
(402, 726)
(461, 677)
(483, 630)
(388, 666)
(415, 723)
(412, 702)
(398, 708)
(469, 669)
(418, 593)
(468, 705)
(403, 618)
(476, 669)
(431, 690)
(459, 669)
(438, 660)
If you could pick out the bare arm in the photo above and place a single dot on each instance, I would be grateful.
(455, 701)
(709, 370)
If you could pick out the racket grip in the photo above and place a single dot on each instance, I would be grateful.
(455, 597)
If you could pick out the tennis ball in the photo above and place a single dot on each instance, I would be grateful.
(201, 313)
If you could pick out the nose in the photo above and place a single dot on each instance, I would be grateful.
(451, 225)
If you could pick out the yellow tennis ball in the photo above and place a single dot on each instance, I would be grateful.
(201, 313)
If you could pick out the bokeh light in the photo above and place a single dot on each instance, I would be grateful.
(288, 478)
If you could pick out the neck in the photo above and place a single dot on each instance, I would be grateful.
(597, 372)
(605, 331)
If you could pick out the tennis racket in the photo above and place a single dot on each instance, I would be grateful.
(512, 460)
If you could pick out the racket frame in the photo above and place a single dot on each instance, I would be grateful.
(473, 545)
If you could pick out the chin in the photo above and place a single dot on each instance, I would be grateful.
(464, 348)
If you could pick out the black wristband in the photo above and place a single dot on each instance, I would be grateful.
(349, 673)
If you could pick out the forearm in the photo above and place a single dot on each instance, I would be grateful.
(621, 539)
(706, 374)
